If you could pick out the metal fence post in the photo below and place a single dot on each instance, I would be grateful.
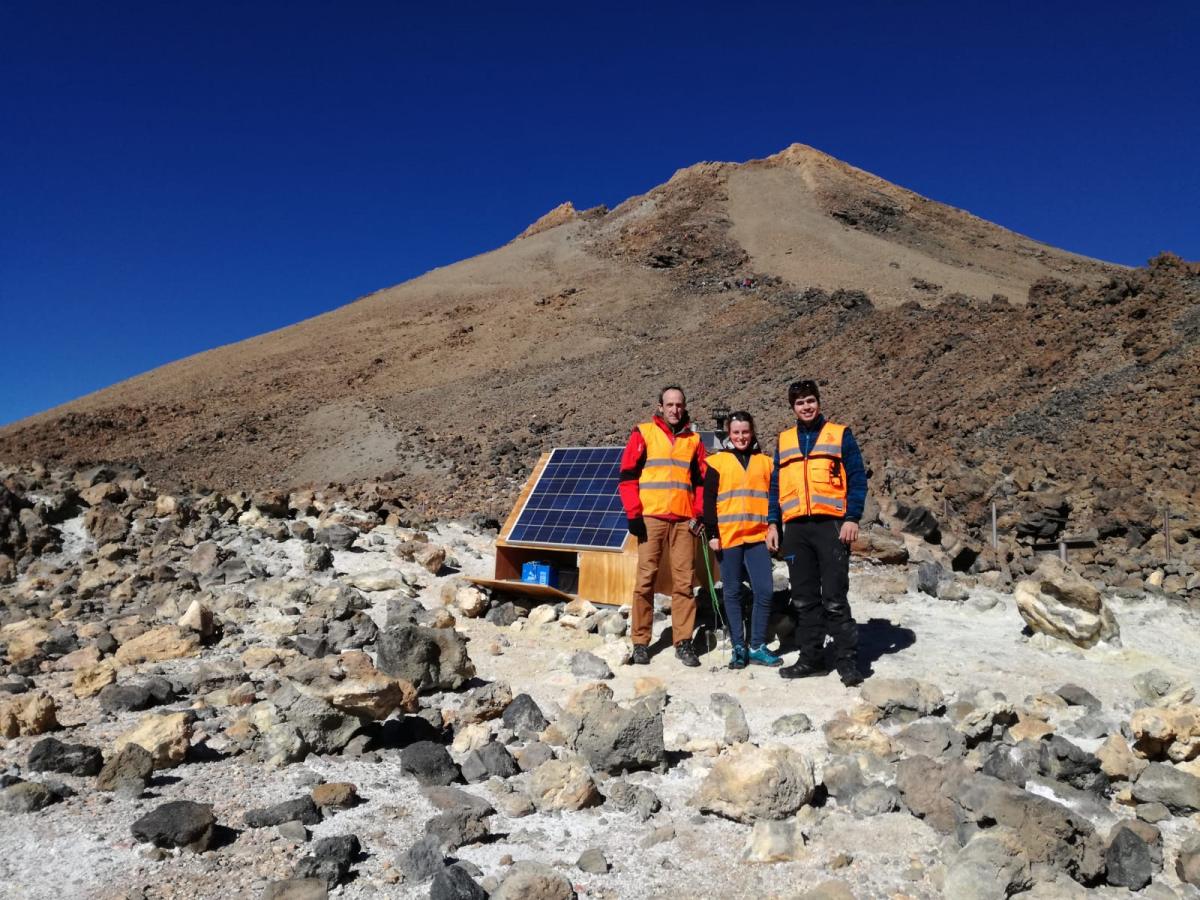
(995, 541)
(1167, 533)
(1062, 550)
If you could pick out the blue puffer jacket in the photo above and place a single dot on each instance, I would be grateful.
(852, 461)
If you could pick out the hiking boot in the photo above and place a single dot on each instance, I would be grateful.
(761, 656)
(738, 661)
(641, 655)
(686, 655)
(849, 673)
(803, 668)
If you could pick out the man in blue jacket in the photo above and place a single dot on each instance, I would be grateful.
(818, 490)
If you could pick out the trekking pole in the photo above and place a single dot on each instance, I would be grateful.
(712, 588)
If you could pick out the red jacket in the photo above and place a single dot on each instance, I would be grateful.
(634, 458)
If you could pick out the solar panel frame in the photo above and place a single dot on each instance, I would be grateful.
(575, 500)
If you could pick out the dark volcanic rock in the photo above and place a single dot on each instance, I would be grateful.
(1061, 759)
(1129, 858)
(424, 859)
(52, 755)
(524, 715)
(302, 809)
(454, 883)
(429, 763)
(26, 796)
(491, 759)
(457, 827)
(329, 859)
(179, 823)
(127, 771)
(433, 659)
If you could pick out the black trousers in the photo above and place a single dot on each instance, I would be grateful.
(819, 570)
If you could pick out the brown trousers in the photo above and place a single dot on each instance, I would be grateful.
(673, 539)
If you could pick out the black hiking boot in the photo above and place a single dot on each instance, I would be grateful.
(686, 655)
(803, 668)
(849, 672)
(641, 655)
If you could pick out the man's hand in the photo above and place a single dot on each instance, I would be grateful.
(772, 539)
(848, 534)
(694, 526)
(637, 527)
(715, 544)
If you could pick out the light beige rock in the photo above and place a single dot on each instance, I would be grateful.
(773, 842)
(1059, 602)
(257, 658)
(198, 618)
(83, 658)
(1030, 728)
(749, 783)
(471, 737)
(165, 737)
(351, 683)
(844, 735)
(1117, 760)
(543, 615)
(24, 638)
(471, 601)
(377, 580)
(166, 642)
(28, 714)
(430, 557)
(1167, 732)
(563, 784)
(165, 505)
(91, 680)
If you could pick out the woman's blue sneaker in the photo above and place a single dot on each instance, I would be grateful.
(761, 656)
(738, 660)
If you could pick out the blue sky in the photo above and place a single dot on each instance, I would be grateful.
(178, 176)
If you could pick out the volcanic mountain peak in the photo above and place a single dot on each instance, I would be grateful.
(730, 279)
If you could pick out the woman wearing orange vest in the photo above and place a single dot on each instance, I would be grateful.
(735, 517)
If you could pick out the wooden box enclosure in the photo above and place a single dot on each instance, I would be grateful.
(605, 576)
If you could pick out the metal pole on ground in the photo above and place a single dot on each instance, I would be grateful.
(1167, 533)
(1062, 550)
(995, 542)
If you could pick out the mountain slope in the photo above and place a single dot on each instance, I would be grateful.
(731, 279)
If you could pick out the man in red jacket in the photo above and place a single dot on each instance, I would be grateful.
(662, 478)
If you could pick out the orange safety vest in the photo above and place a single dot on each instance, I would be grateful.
(665, 485)
(813, 485)
(741, 498)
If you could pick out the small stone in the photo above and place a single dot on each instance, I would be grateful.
(335, 795)
(457, 827)
(734, 717)
(1078, 696)
(455, 883)
(524, 715)
(179, 823)
(52, 755)
(293, 831)
(301, 809)
(127, 771)
(791, 724)
(429, 763)
(773, 841)
(563, 784)
(424, 859)
(589, 666)
(26, 796)
(593, 861)
(329, 859)
(297, 889)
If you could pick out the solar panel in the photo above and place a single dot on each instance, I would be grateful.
(575, 503)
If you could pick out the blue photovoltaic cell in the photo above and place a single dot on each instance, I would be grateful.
(575, 502)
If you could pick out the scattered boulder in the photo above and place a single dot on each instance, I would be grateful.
(329, 859)
(1163, 733)
(737, 731)
(490, 760)
(1133, 855)
(992, 866)
(127, 771)
(1163, 783)
(457, 827)
(335, 795)
(25, 797)
(611, 737)
(179, 823)
(424, 859)
(157, 644)
(523, 715)
(1062, 760)
(336, 537)
(791, 724)
(589, 666)
(429, 763)
(903, 698)
(165, 737)
(455, 883)
(28, 714)
(635, 798)
(1061, 603)
(749, 783)
(52, 755)
(593, 861)
(773, 841)
(431, 659)
(302, 810)
(533, 881)
(563, 784)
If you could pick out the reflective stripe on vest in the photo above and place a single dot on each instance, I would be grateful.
(813, 485)
(741, 498)
(665, 485)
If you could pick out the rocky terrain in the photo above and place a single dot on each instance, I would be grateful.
(297, 694)
(976, 366)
